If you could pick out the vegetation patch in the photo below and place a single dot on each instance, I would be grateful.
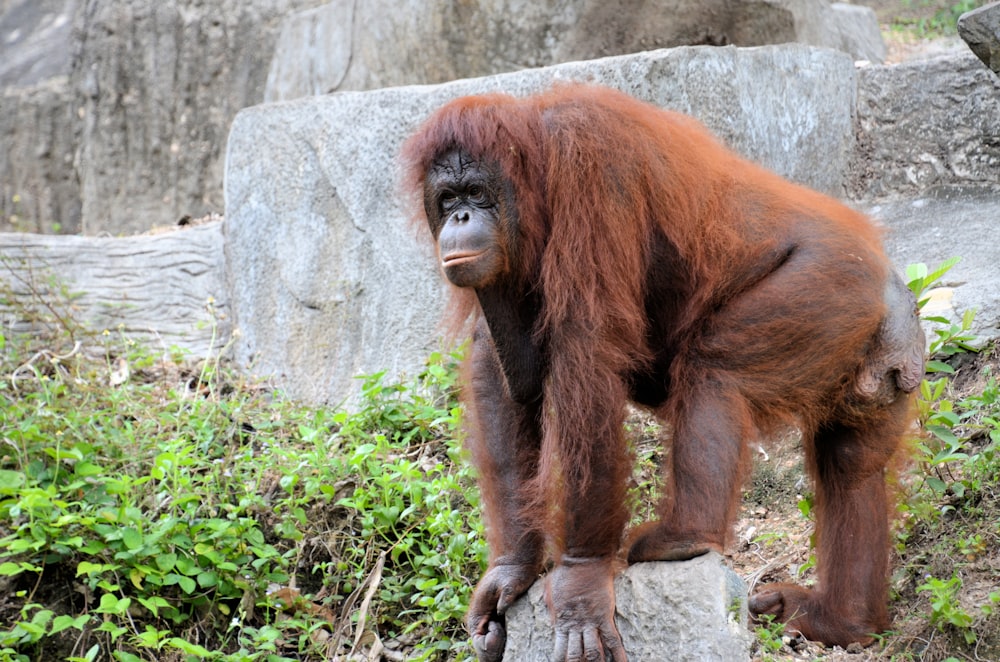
(154, 507)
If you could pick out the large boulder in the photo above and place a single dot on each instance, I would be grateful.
(935, 225)
(39, 190)
(926, 124)
(346, 45)
(115, 114)
(327, 278)
(980, 28)
(157, 85)
(36, 38)
(690, 611)
(38, 120)
(926, 165)
(166, 290)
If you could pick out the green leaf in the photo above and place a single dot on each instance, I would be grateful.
(110, 604)
(90, 656)
(939, 366)
(916, 271)
(937, 485)
(166, 562)
(10, 569)
(186, 583)
(10, 481)
(64, 622)
(131, 538)
(942, 269)
(188, 647)
(207, 579)
(154, 603)
(88, 568)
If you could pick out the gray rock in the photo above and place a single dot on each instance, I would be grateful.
(38, 185)
(115, 113)
(346, 45)
(936, 225)
(926, 124)
(158, 84)
(119, 110)
(690, 611)
(327, 278)
(980, 29)
(36, 39)
(38, 123)
(854, 29)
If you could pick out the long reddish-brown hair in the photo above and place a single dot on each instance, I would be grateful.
(596, 174)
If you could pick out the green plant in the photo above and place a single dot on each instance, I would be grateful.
(770, 634)
(937, 413)
(942, 22)
(945, 609)
(950, 338)
(200, 516)
(956, 473)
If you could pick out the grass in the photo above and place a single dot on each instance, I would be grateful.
(923, 19)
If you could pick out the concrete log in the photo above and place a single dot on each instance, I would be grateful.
(156, 287)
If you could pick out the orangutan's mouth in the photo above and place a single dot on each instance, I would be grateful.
(460, 257)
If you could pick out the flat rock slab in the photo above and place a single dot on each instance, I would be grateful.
(949, 223)
(690, 611)
(329, 280)
(926, 124)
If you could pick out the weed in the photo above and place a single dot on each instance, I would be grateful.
(945, 609)
(942, 22)
(770, 634)
(956, 472)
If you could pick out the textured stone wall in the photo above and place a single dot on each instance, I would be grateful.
(114, 115)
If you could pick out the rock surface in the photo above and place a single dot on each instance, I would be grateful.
(346, 45)
(925, 124)
(115, 114)
(855, 31)
(939, 224)
(162, 289)
(35, 38)
(39, 190)
(980, 29)
(157, 85)
(690, 611)
(327, 278)
(119, 110)
(38, 121)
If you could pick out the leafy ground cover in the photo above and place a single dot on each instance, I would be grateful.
(154, 507)
(920, 19)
